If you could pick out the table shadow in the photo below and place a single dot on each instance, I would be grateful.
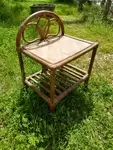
(55, 126)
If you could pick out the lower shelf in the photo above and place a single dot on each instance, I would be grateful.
(66, 79)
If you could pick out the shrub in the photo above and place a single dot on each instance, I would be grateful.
(65, 1)
(5, 11)
(11, 14)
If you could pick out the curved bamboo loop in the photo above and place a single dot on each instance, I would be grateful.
(43, 33)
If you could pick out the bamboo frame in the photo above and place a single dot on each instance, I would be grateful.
(56, 80)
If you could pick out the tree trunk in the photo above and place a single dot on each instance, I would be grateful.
(107, 9)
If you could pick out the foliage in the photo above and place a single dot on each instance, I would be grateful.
(10, 11)
(83, 120)
(5, 11)
(64, 1)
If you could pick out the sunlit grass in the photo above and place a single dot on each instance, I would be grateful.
(81, 121)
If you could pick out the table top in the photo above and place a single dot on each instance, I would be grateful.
(58, 50)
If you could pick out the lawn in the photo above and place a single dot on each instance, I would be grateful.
(83, 120)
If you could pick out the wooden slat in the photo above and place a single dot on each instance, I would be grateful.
(37, 74)
(43, 87)
(66, 92)
(71, 73)
(46, 98)
(72, 79)
(58, 81)
(63, 80)
(46, 77)
(58, 84)
(76, 68)
(44, 83)
(73, 70)
(31, 78)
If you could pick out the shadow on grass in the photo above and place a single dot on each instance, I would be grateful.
(54, 128)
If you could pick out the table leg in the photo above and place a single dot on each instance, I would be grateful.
(52, 89)
(90, 66)
(44, 68)
(21, 67)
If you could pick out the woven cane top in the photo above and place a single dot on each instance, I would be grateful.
(56, 50)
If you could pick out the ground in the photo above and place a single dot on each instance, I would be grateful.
(81, 121)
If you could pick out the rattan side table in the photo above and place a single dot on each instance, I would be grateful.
(55, 52)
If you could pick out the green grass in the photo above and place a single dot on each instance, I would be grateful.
(83, 120)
